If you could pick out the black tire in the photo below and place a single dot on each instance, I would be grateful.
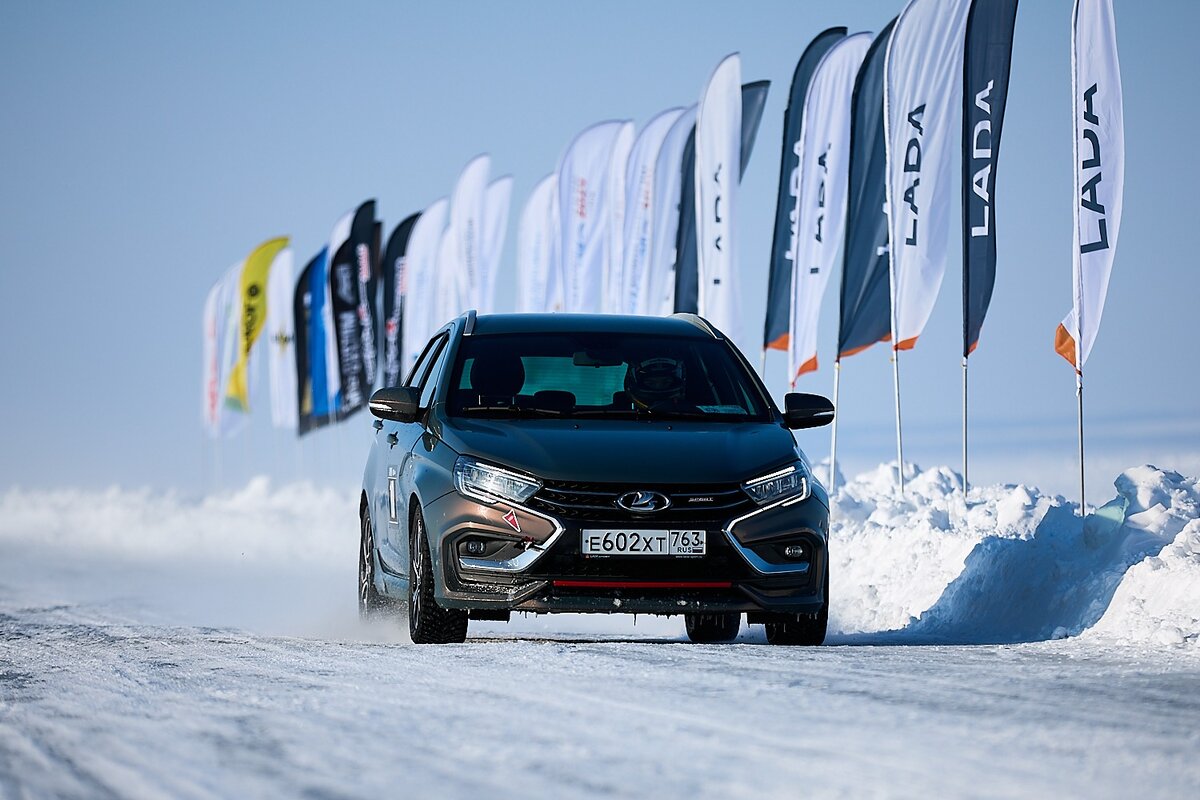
(802, 630)
(429, 623)
(369, 599)
(706, 628)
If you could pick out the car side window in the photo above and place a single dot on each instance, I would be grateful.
(422, 366)
(434, 376)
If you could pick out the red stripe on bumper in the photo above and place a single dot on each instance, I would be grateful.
(643, 584)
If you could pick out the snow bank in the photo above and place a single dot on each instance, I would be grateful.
(1159, 597)
(1010, 564)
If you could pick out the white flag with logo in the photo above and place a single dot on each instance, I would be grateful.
(212, 388)
(554, 272)
(281, 340)
(584, 216)
(821, 188)
(1099, 173)
(668, 178)
(220, 352)
(463, 285)
(535, 233)
(495, 227)
(718, 166)
(639, 212)
(419, 280)
(614, 259)
(922, 98)
(446, 302)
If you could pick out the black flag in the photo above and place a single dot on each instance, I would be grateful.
(687, 276)
(754, 100)
(779, 284)
(312, 388)
(301, 311)
(987, 56)
(866, 316)
(392, 282)
(353, 326)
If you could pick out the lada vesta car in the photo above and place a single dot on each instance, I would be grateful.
(609, 464)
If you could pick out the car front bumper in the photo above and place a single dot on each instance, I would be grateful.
(533, 562)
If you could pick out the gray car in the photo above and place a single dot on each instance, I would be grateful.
(576, 463)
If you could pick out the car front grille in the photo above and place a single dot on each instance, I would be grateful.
(594, 502)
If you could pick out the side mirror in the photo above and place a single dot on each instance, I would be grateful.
(806, 411)
(397, 403)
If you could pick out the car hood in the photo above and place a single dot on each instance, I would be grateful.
(625, 451)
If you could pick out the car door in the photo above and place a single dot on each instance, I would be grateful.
(398, 440)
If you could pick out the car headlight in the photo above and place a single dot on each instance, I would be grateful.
(489, 484)
(789, 482)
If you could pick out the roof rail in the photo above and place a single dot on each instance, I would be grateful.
(699, 322)
(469, 325)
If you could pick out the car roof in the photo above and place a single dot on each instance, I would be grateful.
(688, 325)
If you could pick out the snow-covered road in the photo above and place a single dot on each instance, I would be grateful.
(156, 646)
(94, 707)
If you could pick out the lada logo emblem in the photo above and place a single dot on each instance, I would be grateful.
(643, 502)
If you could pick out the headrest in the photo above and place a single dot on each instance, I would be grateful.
(497, 373)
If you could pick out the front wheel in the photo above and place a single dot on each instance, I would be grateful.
(802, 629)
(369, 599)
(705, 628)
(428, 623)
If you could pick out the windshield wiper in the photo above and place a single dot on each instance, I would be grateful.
(516, 411)
(710, 416)
(604, 412)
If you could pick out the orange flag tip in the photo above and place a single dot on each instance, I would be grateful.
(907, 344)
(807, 366)
(1064, 345)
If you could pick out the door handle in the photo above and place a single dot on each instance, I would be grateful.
(377, 425)
(392, 439)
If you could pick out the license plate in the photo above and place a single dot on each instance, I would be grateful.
(642, 543)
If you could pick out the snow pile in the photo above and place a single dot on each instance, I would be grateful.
(296, 522)
(1011, 564)
(1159, 597)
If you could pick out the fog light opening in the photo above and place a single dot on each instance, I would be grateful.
(794, 551)
(474, 547)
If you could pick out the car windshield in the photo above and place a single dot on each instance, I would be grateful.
(601, 375)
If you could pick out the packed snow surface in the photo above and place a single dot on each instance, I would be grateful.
(989, 645)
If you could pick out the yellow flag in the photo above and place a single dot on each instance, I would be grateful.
(252, 314)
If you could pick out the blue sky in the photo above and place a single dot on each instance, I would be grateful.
(147, 146)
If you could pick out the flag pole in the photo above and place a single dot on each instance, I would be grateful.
(762, 364)
(899, 437)
(837, 376)
(1079, 396)
(966, 481)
